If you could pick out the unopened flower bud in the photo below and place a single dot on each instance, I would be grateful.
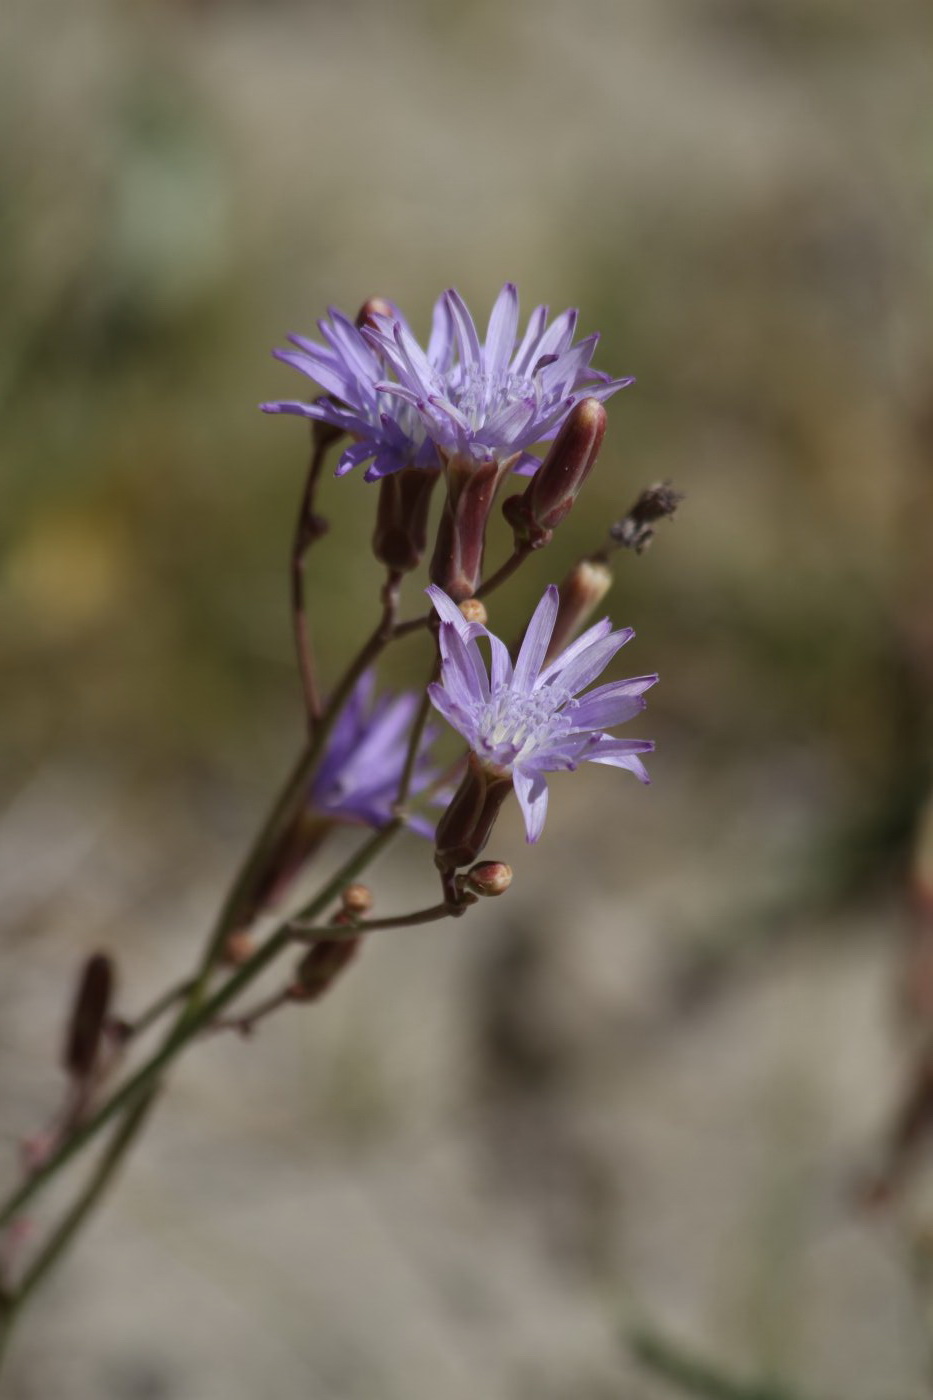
(580, 593)
(400, 536)
(488, 877)
(88, 1016)
(465, 827)
(474, 611)
(371, 310)
(238, 948)
(321, 965)
(550, 494)
(357, 900)
(457, 563)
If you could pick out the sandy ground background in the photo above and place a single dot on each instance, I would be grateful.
(644, 1089)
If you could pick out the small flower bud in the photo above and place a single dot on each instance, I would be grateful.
(550, 494)
(580, 593)
(238, 948)
(488, 877)
(88, 1016)
(357, 900)
(465, 827)
(474, 611)
(371, 310)
(321, 965)
(457, 564)
(400, 536)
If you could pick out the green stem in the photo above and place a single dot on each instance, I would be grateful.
(695, 1376)
(190, 1023)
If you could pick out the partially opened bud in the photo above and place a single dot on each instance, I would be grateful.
(488, 877)
(465, 827)
(550, 494)
(580, 593)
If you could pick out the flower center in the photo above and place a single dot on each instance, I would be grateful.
(477, 393)
(510, 726)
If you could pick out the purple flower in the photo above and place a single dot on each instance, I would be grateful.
(527, 721)
(495, 400)
(480, 402)
(388, 433)
(361, 769)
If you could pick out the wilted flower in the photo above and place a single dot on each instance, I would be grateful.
(362, 766)
(522, 722)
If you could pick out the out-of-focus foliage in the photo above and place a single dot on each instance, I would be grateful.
(737, 195)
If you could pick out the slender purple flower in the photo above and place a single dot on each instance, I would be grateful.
(359, 775)
(525, 721)
(495, 399)
(387, 432)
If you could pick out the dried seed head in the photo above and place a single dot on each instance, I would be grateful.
(488, 877)
(474, 611)
(357, 900)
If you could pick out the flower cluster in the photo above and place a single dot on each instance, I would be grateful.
(482, 401)
(472, 410)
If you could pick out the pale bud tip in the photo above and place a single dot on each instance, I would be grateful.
(474, 611)
(238, 948)
(357, 900)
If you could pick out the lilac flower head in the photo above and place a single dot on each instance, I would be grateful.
(495, 399)
(363, 761)
(479, 401)
(387, 432)
(526, 721)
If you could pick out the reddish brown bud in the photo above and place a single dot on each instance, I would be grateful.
(88, 1016)
(401, 533)
(357, 900)
(239, 947)
(465, 827)
(321, 965)
(550, 494)
(457, 564)
(474, 611)
(580, 593)
(488, 877)
(371, 310)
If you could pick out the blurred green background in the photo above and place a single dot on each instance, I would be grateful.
(738, 194)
